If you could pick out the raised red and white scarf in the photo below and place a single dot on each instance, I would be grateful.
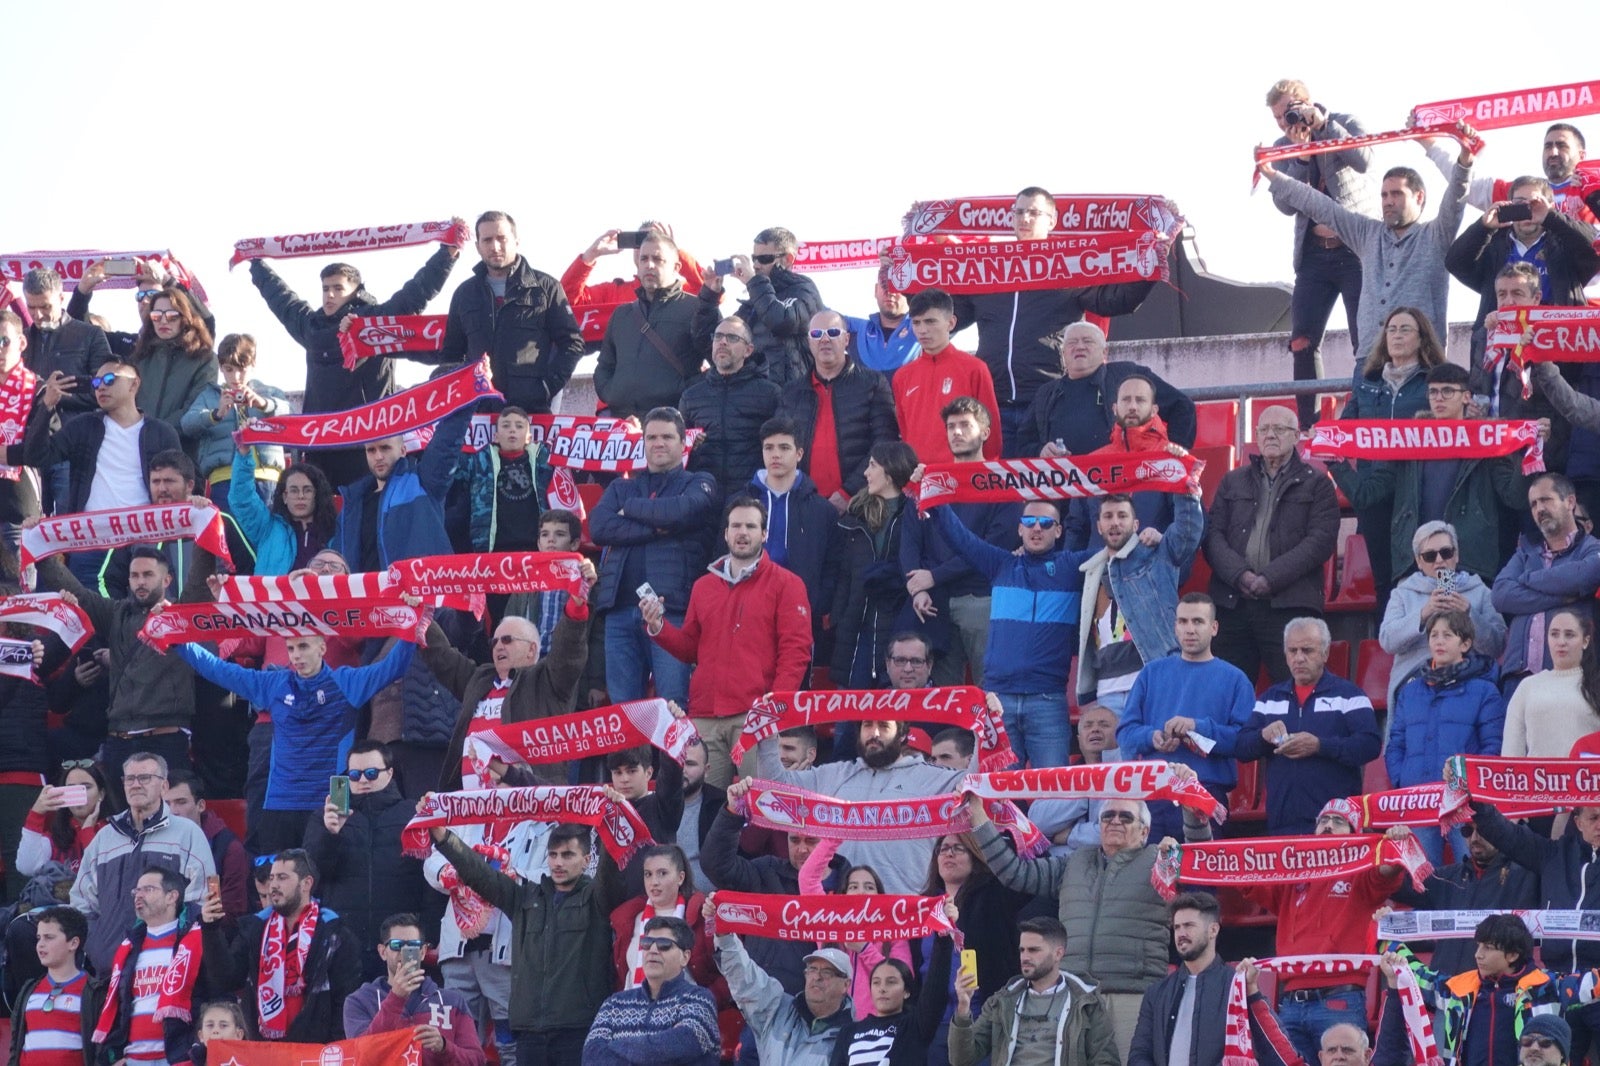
(495, 573)
(621, 830)
(1497, 780)
(344, 241)
(1546, 335)
(471, 911)
(792, 809)
(256, 588)
(120, 526)
(963, 706)
(1519, 107)
(71, 264)
(1285, 861)
(599, 731)
(16, 658)
(1065, 262)
(979, 216)
(1064, 478)
(1238, 1046)
(832, 919)
(272, 987)
(596, 442)
(187, 623)
(387, 334)
(176, 996)
(1462, 925)
(815, 257)
(47, 610)
(392, 416)
(376, 1049)
(16, 403)
(1419, 132)
(1419, 805)
(1151, 781)
(1429, 438)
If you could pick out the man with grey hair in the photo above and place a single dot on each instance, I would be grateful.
(1436, 585)
(1316, 731)
(777, 307)
(56, 342)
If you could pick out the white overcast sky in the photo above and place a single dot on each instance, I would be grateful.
(193, 125)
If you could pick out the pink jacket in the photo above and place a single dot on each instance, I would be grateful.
(811, 875)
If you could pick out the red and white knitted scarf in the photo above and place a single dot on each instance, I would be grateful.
(1518, 107)
(471, 911)
(1285, 861)
(16, 658)
(1419, 805)
(1151, 781)
(832, 919)
(1419, 132)
(16, 402)
(272, 987)
(1064, 262)
(303, 587)
(387, 334)
(1064, 478)
(596, 442)
(983, 216)
(815, 257)
(176, 997)
(1491, 779)
(120, 526)
(48, 611)
(366, 239)
(71, 264)
(621, 830)
(1429, 438)
(598, 731)
(185, 623)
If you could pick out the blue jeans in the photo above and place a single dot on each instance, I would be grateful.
(632, 658)
(1432, 841)
(1037, 726)
(1013, 418)
(1304, 1023)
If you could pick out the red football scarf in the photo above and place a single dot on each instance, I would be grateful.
(793, 809)
(980, 216)
(362, 586)
(70, 265)
(48, 611)
(472, 912)
(378, 1049)
(1065, 478)
(832, 919)
(1586, 177)
(1429, 438)
(1548, 334)
(576, 736)
(1416, 133)
(186, 623)
(964, 706)
(387, 334)
(1285, 861)
(16, 658)
(1238, 1049)
(176, 998)
(1516, 108)
(1071, 261)
(816, 256)
(1525, 782)
(367, 239)
(16, 402)
(621, 830)
(391, 416)
(120, 526)
(495, 573)
(596, 442)
(271, 971)
(1150, 781)
(1419, 805)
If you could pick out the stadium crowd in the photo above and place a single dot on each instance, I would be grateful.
(769, 542)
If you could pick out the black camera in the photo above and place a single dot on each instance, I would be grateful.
(1301, 115)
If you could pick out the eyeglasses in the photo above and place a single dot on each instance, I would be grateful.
(1543, 1043)
(1030, 212)
(1434, 555)
(145, 890)
(765, 260)
(146, 294)
(77, 764)
(729, 338)
(906, 660)
(142, 779)
(396, 944)
(1033, 521)
(1443, 392)
(505, 640)
(1276, 431)
(656, 943)
(1125, 817)
(106, 379)
(299, 490)
(371, 773)
(822, 972)
(165, 316)
(953, 849)
(831, 331)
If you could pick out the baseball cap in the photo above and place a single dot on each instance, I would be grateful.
(833, 957)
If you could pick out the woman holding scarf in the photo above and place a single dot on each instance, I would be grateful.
(864, 957)
(902, 1025)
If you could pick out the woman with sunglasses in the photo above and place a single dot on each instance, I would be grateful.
(857, 881)
(57, 832)
(902, 1025)
(174, 355)
(1551, 710)
(1435, 585)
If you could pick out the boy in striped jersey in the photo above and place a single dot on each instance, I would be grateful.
(55, 1014)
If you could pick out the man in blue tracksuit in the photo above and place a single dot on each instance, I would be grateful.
(314, 710)
(1033, 626)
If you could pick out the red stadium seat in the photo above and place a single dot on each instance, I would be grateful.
(1358, 590)
(1256, 404)
(590, 495)
(1199, 576)
(1248, 800)
(232, 813)
(1375, 776)
(1216, 424)
(1339, 658)
(1219, 460)
(1373, 666)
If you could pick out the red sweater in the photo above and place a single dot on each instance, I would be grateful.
(922, 388)
(749, 637)
(1326, 918)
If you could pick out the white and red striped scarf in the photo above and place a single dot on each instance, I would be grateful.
(635, 957)
(833, 918)
(622, 831)
(596, 442)
(121, 526)
(1058, 262)
(16, 402)
(306, 587)
(71, 264)
(1419, 132)
(1393, 439)
(1151, 781)
(472, 912)
(978, 216)
(176, 997)
(1518, 107)
(187, 623)
(1062, 478)
(273, 992)
(1238, 1047)
(366, 239)
(387, 334)
(48, 610)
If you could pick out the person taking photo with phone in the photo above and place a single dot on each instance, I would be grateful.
(405, 997)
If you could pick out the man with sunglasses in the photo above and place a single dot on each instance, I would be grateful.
(669, 1019)
(405, 997)
(58, 342)
(778, 304)
(365, 874)
(730, 402)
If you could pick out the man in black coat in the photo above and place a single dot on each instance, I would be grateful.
(778, 307)
(730, 402)
(329, 386)
(655, 346)
(1486, 880)
(1179, 1020)
(56, 342)
(518, 315)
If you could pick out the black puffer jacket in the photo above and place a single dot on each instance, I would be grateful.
(632, 375)
(429, 710)
(365, 877)
(867, 598)
(863, 415)
(778, 312)
(730, 408)
(329, 386)
(532, 339)
(23, 708)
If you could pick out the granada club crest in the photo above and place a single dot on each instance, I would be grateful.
(1441, 115)
(1168, 470)
(1333, 436)
(924, 218)
(165, 625)
(745, 913)
(899, 271)
(938, 484)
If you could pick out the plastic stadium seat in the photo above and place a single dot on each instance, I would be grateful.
(1219, 460)
(232, 813)
(1339, 658)
(1358, 590)
(1248, 800)
(1373, 666)
(1256, 404)
(1375, 776)
(590, 495)
(1216, 424)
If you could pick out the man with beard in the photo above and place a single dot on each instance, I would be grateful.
(777, 306)
(884, 770)
(1564, 148)
(295, 960)
(748, 627)
(1179, 1020)
(654, 347)
(731, 402)
(1138, 427)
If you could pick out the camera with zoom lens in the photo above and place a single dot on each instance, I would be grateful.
(1301, 115)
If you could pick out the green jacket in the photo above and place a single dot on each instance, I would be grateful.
(563, 968)
(1084, 1036)
(169, 381)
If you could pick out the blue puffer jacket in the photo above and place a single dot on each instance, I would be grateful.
(1440, 713)
(480, 472)
(670, 518)
(411, 521)
(429, 711)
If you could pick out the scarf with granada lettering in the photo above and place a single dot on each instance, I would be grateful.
(832, 919)
(366, 239)
(1061, 478)
(1515, 782)
(1429, 438)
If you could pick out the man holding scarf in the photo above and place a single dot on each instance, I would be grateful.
(19, 488)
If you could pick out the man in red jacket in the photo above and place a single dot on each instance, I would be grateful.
(748, 627)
